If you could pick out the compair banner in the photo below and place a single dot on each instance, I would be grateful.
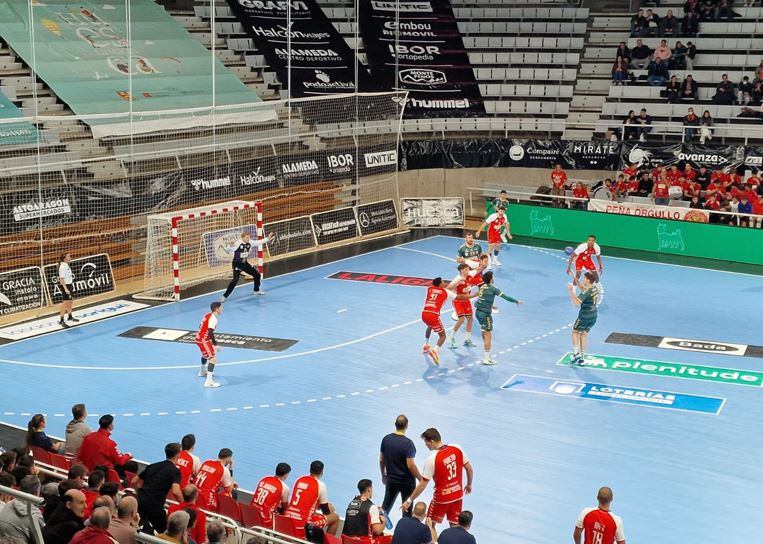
(301, 43)
(420, 50)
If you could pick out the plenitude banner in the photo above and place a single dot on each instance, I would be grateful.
(82, 51)
(432, 212)
(303, 46)
(416, 46)
(676, 213)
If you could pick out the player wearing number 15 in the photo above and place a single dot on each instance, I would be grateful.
(272, 494)
(599, 524)
(445, 465)
(214, 476)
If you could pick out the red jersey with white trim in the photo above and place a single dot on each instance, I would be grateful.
(268, 495)
(436, 298)
(188, 464)
(209, 321)
(495, 224)
(464, 285)
(584, 254)
(446, 467)
(600, 526)
(210, 477)
(558, 178)
(308, 494)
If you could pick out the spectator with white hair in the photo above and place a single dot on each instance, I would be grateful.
(215, 532)
(14, 519)
(177, 528)
(98, 530)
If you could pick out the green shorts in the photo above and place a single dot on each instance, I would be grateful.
(485, 320)
(584, 324)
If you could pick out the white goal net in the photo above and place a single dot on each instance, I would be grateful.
(191, 246)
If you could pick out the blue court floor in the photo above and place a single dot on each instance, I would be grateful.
(678, 476)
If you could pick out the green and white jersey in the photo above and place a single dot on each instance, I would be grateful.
(588, 301)
(486, 298)
(470, 252)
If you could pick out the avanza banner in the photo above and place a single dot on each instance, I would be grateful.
(321, 61)
(727, 158)
(420, 49)
(648, 210)
(82, 51)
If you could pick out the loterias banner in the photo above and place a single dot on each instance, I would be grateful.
(321, 61)
(416, 46)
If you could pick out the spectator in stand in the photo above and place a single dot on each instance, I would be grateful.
(36, 437)
(705, 127)
(177, 528)
(558, 184)
(15, 516)
(703, 177)
(661, 191)
(695, 203)
(712, 204)
(97, 532)
(459, 534)
(745, 91)
(745, 207)
(79, 475)
(99, 450)
(67, 519)
(623, 51)
(673, 175)
(640, 55)
(187, 462)
(309, 496)
(658, 73)
(397, 464)
(619, 188)
(620, 71)
(154, 484)
(632, 186)
(759, 72)
(93, 489)
(691, 52)
(757, 209)
(124, 527)
(652, 23)
(663, 52)
(104, 501)
(724, 11)
(644, 124)
(670, 25)
(673, 90)
(579, 191)
(689, 173)
(691, 121)
(8, 481)
(757, 94)
(689, 89)
(707, 10)
(76, 430)
(199, 531)
(678, 62)
(272, 494)
(110, 489)
(215, 476)
(192, 515)
(363, 520)
(417, 529)
(24, 466)
(629, 131)
(54, 501)
(638, 24)
(215, 532)
(599, 525)
(630, 171)
(690, 23)
(732, 207)
(724, 92)
(8, 462)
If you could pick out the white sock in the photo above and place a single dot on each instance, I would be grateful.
(210, 375)
(468, 336)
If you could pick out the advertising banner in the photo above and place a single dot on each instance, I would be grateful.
(335, 225)
(306, 51)
(675, 213)
(377, 217)
(21, 289)
(416, 46)
(22, 210)
(92, 276)
(727, 158)
(240, 341)
(218, 245)
(290, 235)
(432, 212)
(14, 132)
(82, 52)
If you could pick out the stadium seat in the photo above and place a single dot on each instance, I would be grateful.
(331, 539)
(229, 507)
(59, 461)
(112, 476)
(288, 526)
(41, 455)
(250, 516)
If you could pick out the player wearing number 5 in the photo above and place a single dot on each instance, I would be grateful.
(599, 524)
(498, 231)
(445, 465)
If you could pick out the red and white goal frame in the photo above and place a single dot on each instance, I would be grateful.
(177, 250)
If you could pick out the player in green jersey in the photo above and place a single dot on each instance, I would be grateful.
(587, 298)
(469, 252)
(484, 311)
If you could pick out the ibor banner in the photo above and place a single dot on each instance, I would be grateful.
(416, 46)
(303, 46)
(675, 213)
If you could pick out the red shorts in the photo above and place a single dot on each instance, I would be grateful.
(584, 264)
(206, 348)
(432, 321)
(493, 237)
(463, 307)
(207, 501)
(438, 511)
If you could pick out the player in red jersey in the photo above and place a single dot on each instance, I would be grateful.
(187, 462)
(600, 525)
(215, 476)
(445, 465)
(582, 256)
(272, 495)
(498, 230)
(205, 339)
(437, 295)
(462, 285)
(308, 495)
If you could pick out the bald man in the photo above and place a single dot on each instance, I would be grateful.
(124, 527)
(599, 524)
(416, 529)
(67, 519)
(104, 501)
(98, 530)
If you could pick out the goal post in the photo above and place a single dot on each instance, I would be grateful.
(191, 246)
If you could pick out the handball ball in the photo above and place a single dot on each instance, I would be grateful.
(568, 250)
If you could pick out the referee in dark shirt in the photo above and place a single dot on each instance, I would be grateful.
(153, 484)
(398, 466)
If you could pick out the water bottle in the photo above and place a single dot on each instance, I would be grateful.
(387, 521)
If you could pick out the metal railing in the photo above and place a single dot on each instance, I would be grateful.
(31, 502)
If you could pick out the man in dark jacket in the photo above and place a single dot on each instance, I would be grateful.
(67, 519)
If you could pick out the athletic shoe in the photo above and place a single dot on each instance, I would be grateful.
(72, 318)
(259, 292)
(454, 315)
(576, 359)
(435, 356)
(487, 361)
(63, 324)
(469, 343)
(453, 344)
(425, 348)
(496, 261)
(202, 373)
(496, 310)
(223, 299)
(211, 384)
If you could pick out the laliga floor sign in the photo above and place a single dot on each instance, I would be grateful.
(619, 394)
